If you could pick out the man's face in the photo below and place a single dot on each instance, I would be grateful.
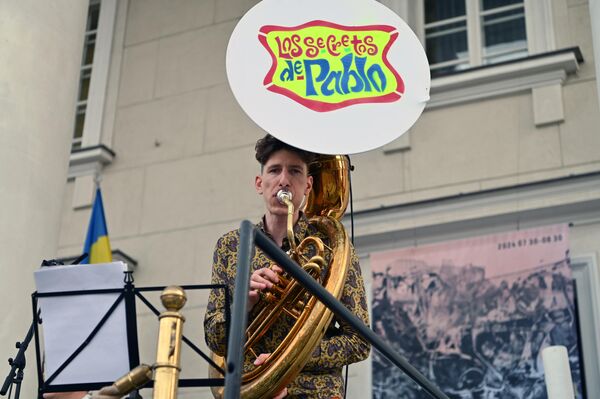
(283, 170)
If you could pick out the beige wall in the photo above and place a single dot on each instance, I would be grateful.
(595, 21)
(40, 53)
(184, 167)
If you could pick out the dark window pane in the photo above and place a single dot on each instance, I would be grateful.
(438, 10)
(79, 122)
(489, 4)
(88, 51)
(84, 89)
(504, 28)
(446, 43)
(93, 14)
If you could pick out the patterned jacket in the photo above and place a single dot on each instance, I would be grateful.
(322, 375)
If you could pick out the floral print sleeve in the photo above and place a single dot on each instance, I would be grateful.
(343, 345)
(214, 320)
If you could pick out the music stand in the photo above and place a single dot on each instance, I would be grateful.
(128, 294)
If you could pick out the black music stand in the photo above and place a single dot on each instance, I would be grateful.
(128, 294)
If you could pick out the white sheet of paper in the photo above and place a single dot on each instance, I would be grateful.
(68, 320)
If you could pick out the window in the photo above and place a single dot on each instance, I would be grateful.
(85, 76)
(96, 98)
(460, 34)
(503, 47)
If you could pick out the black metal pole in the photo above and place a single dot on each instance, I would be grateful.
(18, 381)
(36, 334)
(131, 326)
(239, 314)
(15, 376)
(267, 245)
(131, 321)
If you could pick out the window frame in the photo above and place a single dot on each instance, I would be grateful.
(85, 74)
(543, 72)
(95, 102)
(539, 22)
(513, 48)
(93, 152)
(474, 28)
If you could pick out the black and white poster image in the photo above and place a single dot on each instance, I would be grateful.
(474, 315)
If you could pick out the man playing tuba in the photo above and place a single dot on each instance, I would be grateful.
(285, 168)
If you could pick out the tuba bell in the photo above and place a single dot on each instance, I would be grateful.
(325, 206)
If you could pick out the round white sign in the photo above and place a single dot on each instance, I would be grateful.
(328, 76)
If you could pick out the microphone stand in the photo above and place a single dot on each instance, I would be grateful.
(15, 376)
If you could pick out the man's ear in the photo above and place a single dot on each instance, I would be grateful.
(258, 185)
(309, 183)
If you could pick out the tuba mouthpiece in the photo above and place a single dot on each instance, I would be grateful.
(282, 195)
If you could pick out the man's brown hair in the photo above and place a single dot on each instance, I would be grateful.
(269, 145)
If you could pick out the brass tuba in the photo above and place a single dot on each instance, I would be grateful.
(325, 207)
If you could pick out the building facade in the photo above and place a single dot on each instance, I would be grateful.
(510, 140)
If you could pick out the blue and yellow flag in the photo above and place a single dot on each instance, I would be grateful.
(97, 245)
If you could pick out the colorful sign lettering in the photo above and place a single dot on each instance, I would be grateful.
(325, 66)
